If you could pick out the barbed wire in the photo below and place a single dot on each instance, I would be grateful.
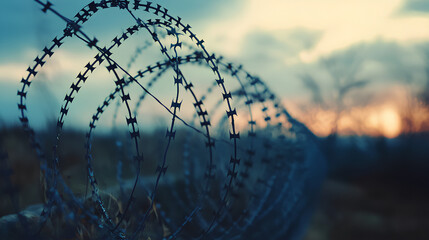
(243, 158)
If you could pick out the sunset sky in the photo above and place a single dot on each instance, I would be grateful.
(383, 44)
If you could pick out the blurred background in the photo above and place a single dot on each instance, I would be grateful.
(355, 72)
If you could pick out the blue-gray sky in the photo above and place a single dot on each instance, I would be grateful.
(279, 40)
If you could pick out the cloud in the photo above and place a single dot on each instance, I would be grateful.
(12, 71)
(343, 24)
(411, 6)
(283, 46)
(63, 62)
(225, 25)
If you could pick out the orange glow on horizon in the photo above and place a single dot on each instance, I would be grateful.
(374, 121)
(386, 120)
(389, 117)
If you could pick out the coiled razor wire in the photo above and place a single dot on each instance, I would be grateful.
(245, 163)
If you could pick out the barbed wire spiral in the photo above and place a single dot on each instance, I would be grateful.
(232, 160)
